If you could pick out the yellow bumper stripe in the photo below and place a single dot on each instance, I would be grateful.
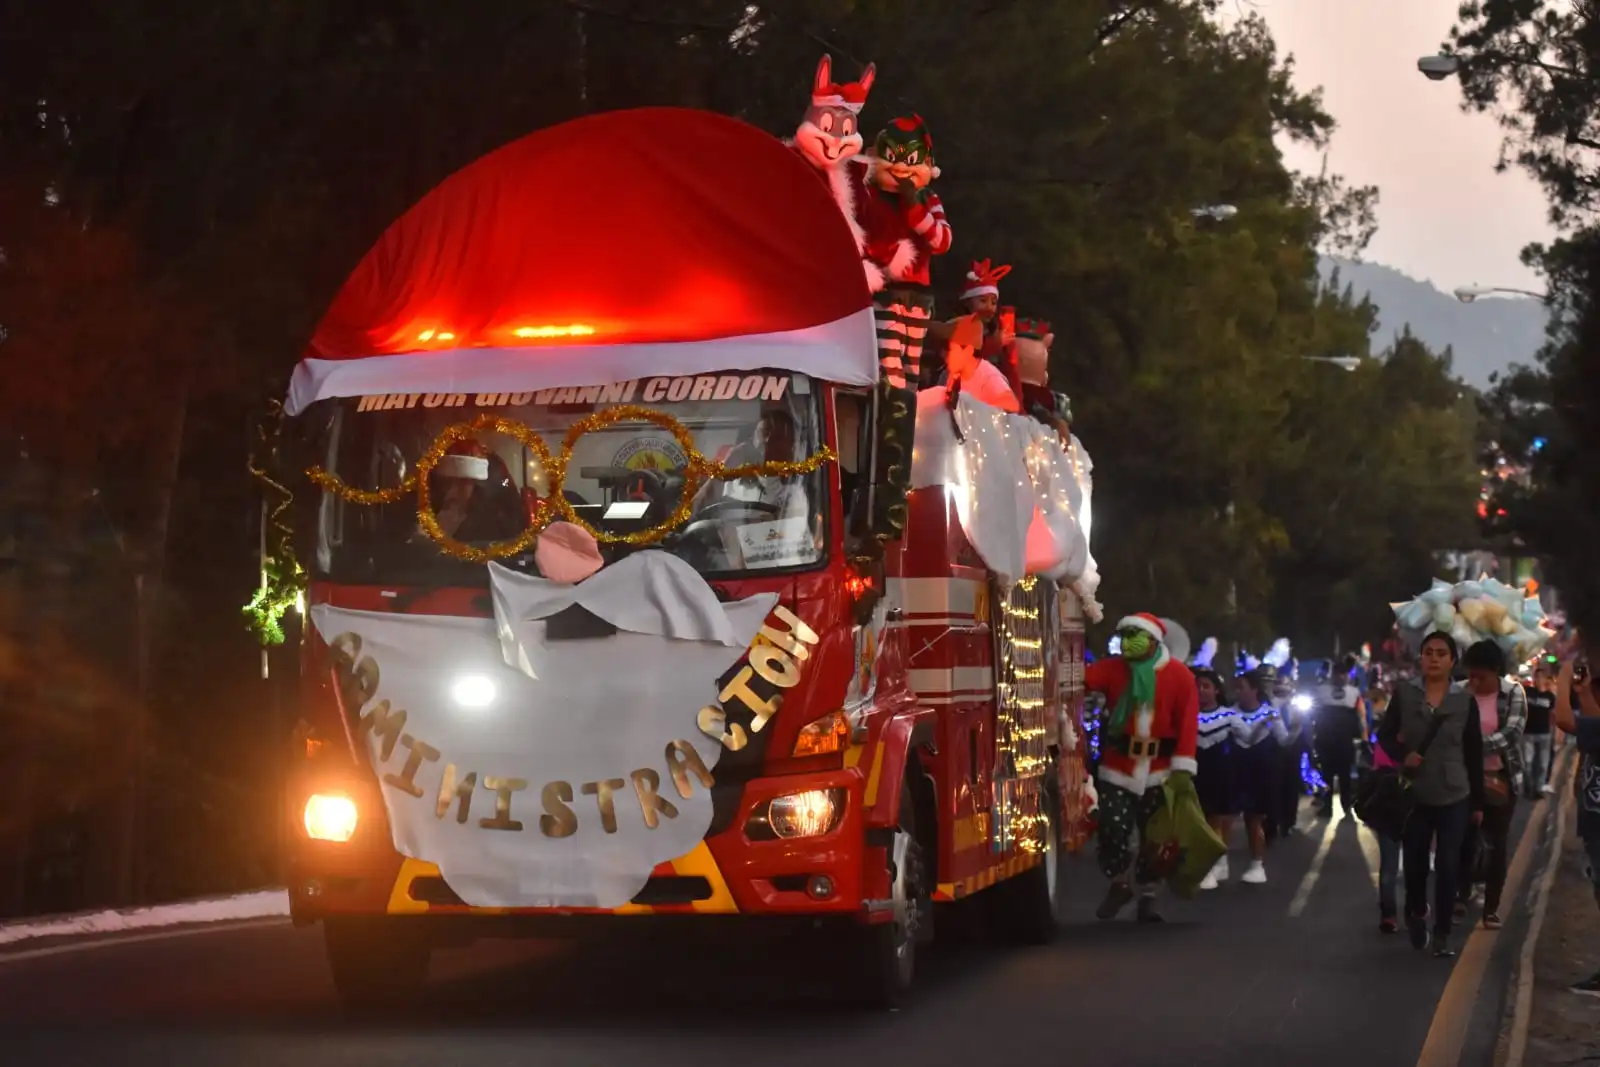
(999, 872)
(699, 863)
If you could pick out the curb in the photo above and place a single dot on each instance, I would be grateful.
(261, 904)
(1522, 1012)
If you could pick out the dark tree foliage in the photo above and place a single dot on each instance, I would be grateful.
(1536, 65)
(1548, 416)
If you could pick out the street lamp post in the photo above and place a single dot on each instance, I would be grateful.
(1214, 212)
(1348, 363)
(1468, 293)
(1438, 68)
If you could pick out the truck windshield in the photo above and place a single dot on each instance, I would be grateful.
(623, 477)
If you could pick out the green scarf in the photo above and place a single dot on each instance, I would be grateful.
(1141, 692)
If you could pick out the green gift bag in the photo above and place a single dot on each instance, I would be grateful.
(1182, 844)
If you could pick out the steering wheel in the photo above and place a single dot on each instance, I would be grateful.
(713, 514)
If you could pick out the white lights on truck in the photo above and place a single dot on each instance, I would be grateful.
(330, 817)
(808, 814)
(473, 691)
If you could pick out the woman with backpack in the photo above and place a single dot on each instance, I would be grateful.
(1502, 713)
(1432, 730)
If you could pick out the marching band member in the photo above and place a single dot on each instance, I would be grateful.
(1214, 781)
(1260, 739)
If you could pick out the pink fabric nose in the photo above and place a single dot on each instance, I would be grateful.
(567, 553)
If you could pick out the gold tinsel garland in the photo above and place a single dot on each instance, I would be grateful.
(698, 468)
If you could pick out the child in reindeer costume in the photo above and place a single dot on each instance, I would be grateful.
(1150, 734)
(981, 297)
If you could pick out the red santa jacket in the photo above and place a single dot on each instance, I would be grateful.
(1158, 739)
(901, 241)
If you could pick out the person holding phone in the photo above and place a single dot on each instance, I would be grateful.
(1577, 712)
(981, 301)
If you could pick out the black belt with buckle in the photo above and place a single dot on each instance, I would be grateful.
(1146, 747)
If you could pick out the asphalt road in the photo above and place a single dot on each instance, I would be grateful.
(1293, 971)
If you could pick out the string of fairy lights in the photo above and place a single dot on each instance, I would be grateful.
(1021, 733)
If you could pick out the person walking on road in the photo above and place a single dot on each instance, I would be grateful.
(1295, 754)
(1537, 753)
(1340, 721)
(1577, 712)
(1149, 735)
(1215, 755)
(1502, 712)
(1442, 753)
(1388, 857)
(1258, 740)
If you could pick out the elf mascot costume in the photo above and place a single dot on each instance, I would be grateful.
(1149, 735)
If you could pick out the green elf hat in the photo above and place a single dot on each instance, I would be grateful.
(1033, 329)
(904, 136)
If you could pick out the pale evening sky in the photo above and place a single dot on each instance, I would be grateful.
(1444, 215)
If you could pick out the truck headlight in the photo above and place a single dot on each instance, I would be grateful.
(808, 814)
(330, 817)
(473, 691)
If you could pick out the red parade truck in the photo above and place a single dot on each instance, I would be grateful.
(698, 692)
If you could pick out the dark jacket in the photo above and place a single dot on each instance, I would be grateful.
(1452, 769)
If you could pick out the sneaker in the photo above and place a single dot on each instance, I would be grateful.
(1417, 928)
(1210, 880)
(1589, 987)
(1387, 925)
(1441, 947)
(1117, 897)
(1491, 921)
(1147, 912)
(1221, 869)
(1256, 874)
(1547, 789)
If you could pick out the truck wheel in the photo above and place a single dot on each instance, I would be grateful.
(889, 950)
(1031, 902)
(377, 961)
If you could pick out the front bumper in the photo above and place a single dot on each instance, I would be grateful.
(732, 872)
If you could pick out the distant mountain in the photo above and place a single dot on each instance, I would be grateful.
(1487, 335)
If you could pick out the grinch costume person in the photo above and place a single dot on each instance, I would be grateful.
(1150, 734)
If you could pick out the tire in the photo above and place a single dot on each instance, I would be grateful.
(1030, 904)
(378, 962)
(888, 951)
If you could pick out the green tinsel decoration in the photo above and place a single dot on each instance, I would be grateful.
(283, 580)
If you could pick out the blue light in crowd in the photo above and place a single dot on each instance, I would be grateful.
(1538, 444)
(1308, 774)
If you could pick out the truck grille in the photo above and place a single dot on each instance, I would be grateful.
(677, 889)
